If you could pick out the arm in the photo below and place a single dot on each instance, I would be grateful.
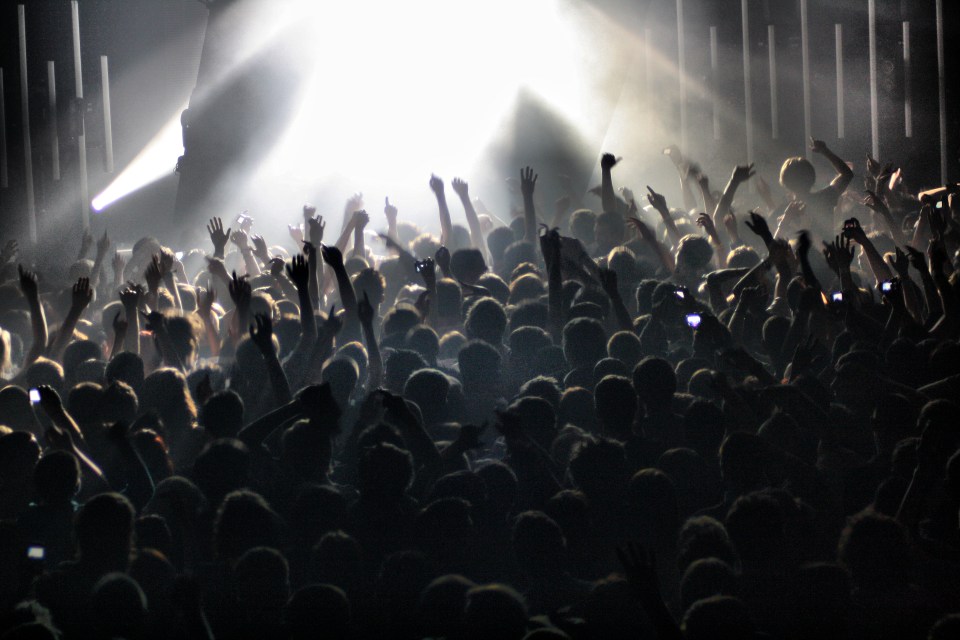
(658, 202)
(461, 188)
(348, 297)
(709, 204)
(446, 225)
(242, 240)
(262, 336)
(390, 212)
(374, 359)
(218, 237)
(257, 431)
(741, 173)
(119, 334)
(103, 245)
(82, 295)
(359, 247)
(607, 195)
(705, 221)
(550, 248)
(879, 206)
(856, 233)
(528, 182)
(38, 322)
(427, 270)
(608, 279)
(299, 272)
(844, 173)
(205, 300)
(169, 277)
(130, 299)
(666, 258)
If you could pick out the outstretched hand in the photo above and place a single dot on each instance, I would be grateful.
(657, 200)
(390, 211)
(240, 291)
(758, 224)
(28, 282)
(261, 333)
(460, 187)
(82, 294)
(436, 185)
(608, 161)
(298, 270)
(528, 182)
(218, 236)
(742, 173)
(332, 256)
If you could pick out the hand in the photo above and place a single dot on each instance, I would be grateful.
(853, 230)
(315, 229)
(218, 236)
(427, 270)
(461, 188)
(82, 294)
(365, 310)
(260, 248)
(216, 268)
(103, 245)
(436, 185)
(354, 203)
(916, 258)
(657, 201)
(900, 263)
(780, 254)
(360, 219)
(818, 146)
(296, 233)
(389, 211)
(839, 253)
(318, 403)
(50, 400)
(240, 238)
(645, 232)
(742, 173)
(528, 181)
(298, 270)
(550, 246)
(875, 203)
(240, 291)
(261, 333)
(333, 323)
(205, 300)
(758, 224)
(309, 211)
(130, 296)
(332, 256)
(608, 280)
(803, 243)
(245, 222)
(730, 224)
(626, 193)
(118, 264)
(166, 262)
(155, 322)
(706, 222)
(28, 283)
(119, 324)
(608, 161)
(442, 258)
(9, 252)
(154, 274)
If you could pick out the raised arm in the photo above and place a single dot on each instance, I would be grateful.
(261, 334)
(348, 297)
(38, 321)
(446, 225)
(741, 173)
(81, 297)
(608, 196)
(844, 173)
(528, 182)
(375, 361)
(550, 248)
(659, 203)
(461, 188)
(218, 237)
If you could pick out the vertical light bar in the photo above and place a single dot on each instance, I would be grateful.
(82, 137)
(107, 126)
(682, 66)
(52, 124)
(648, 71)
(4, 173)
(747, 89)
(874, 101)
(805, 59)
(774, 103)
(841, 118)
(907, 83)
(941, 86)
(25, 114)
(715, 81)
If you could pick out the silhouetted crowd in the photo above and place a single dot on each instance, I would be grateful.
(602, 418)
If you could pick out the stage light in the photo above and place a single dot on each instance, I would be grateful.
(157, 159)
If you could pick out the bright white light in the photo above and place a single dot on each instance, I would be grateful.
(157, 160)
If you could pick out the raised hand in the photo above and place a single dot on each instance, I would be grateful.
(260, 248)
(156, 322)
(218, 236)
(900, 263)
(608, 161)
(730, 224)
(333, 323)
(298, 270)
(460, 187)
(706, 221)
(853, 231)
(528, 182)
(742, 173)
(131, 295)
(205, 300)
(315, 229)
(875, 202)
(657, 200)
(916, 258)
(309, 211)
(469, 437)
(81, 295)
(427, 270)
(240, 238)
(119, 324)
(390, 211)
(216, 268)
(103, 245)
(361, 219)
(817, 146)
(167, 260)
(261, 333)
(365, 310)
(436, 185)
(118, 264)
(296, 233)
(645, 231)
(627, 194)
(839, 253)
(442, 258)
(332, 256)
(28, 282)
(758, 224)
(154, 273)
(240, 291)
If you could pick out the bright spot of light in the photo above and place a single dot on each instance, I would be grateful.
(157, 159)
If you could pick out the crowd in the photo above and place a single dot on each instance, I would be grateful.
(638, 421)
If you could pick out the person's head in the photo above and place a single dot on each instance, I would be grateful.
(118, 403)
(486, 320)
(516, 254)
(16, 411)
(497, 242)
(449, 299)
(538, 418)
(823, 600)
(705, 578)
(718, 617)
(398, 367)
(703, 428)
(529, 313)
(118, 607)
(385, 472)
(756, 527)
(104, 531)
(584, 342)
(610, 230)
(185, 332)
(467, 265)
(306, 451)
(541, 387)
(539, 544)
(57, 477)
(165, 391)
(222, 414)
(400, 319)
(797, 175)
(441, 605)
(343, 375)
(424, 340)
(222, 466)
(653, 505)
(44, 371)
(320, 611)
(479, 366)
(693, 254)
(428, 388)
(126, 367)
(494, 611)
(261, 582)
(945, 628)
(583, 223)
(369, 281)
(616, 403)
(577, 407)
(655, 382)
(743, 462)
(703, 537)
(599, 467)
(875, 550)
(244, 521)
(625, 347)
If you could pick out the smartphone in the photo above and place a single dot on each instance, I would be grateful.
(34, 396)
(836, 296)
(693, 320)
(680, 294)
(179, 255)
(36, 552)
(888, 286)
